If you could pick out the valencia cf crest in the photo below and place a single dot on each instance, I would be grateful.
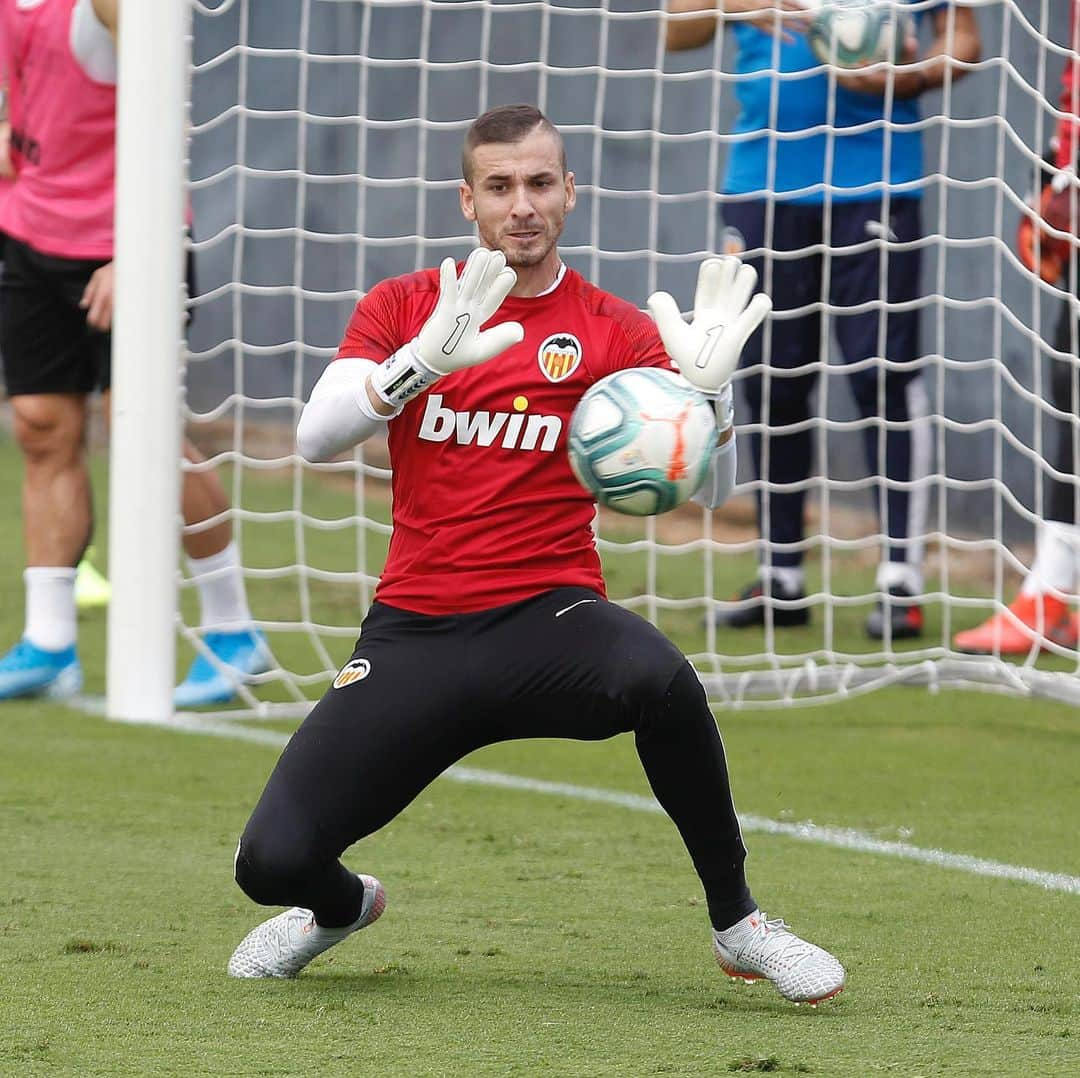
(352, 671)
(559, 356)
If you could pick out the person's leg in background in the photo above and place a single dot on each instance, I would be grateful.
(893, 393)
(214, 565)
(1056, 570)
(1041, 609)
(92, 588)
(52, 362)
(236, 649)
(232, 648)
(778, 390)
(48, 381)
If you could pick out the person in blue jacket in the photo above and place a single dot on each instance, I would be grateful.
(822, 192)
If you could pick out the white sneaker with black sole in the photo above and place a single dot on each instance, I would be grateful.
(284, 945)
(759, 949)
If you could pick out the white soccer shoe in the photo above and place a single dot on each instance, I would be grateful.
(757, 948)
(284, 945)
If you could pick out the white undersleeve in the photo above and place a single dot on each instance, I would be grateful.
(720, 478)
(333, 419)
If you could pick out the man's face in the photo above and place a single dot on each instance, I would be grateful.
(519, 197)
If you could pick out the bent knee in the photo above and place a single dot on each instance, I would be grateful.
(673, 702)
(266, 866)
(49, 425)
(654, 682)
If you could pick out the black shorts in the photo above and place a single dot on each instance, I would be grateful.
(45, 344)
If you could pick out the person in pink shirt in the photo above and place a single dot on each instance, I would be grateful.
(57, 158)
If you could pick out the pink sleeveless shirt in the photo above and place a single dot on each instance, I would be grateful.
(63, 136)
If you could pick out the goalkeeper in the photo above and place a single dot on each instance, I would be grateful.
(492, 584)
(57, 147)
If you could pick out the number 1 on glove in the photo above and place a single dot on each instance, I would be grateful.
(451, 339)
(726, 311)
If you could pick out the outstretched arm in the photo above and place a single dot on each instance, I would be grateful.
(340, 413)
(689, 33)
(355, 396)
(692, 33)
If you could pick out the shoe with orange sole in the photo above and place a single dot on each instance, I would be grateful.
(757, 948)
(1027, 621)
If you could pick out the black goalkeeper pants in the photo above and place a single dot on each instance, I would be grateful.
(422, 692)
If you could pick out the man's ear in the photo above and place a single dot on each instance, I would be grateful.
(468, 207)
(571, 191)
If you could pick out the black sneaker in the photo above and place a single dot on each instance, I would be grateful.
(752, 610)
(904, 616)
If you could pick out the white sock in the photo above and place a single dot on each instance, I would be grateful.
(1054, 568)
(789, 577)
(899, 574)
(50, 607)
(222, 596)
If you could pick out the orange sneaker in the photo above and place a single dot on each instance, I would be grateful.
(1028, 619)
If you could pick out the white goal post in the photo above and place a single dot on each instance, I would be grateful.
(322, 155)
(145, 441)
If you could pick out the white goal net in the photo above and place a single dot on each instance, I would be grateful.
(324, 156)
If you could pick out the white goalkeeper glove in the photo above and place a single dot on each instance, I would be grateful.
(707, 350)
(451, 339)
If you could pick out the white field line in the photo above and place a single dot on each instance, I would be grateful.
(841, 838)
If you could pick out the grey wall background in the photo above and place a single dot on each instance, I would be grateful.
(313, 179)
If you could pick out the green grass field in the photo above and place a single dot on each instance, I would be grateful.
(532, 933)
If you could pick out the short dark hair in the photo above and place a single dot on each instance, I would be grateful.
(507, 123)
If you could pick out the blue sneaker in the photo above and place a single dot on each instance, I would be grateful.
(244, 653)
(27, 670)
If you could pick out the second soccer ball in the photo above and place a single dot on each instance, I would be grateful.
(641, 440)
(851, 33)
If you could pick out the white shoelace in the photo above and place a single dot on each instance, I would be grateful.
(780, 943)
(767, 940)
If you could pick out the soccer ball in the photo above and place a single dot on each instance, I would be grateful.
(641, 440)
(850, 33)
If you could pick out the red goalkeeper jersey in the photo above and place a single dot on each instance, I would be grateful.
(486, 510)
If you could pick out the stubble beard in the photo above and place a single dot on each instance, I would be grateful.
(518, 257)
